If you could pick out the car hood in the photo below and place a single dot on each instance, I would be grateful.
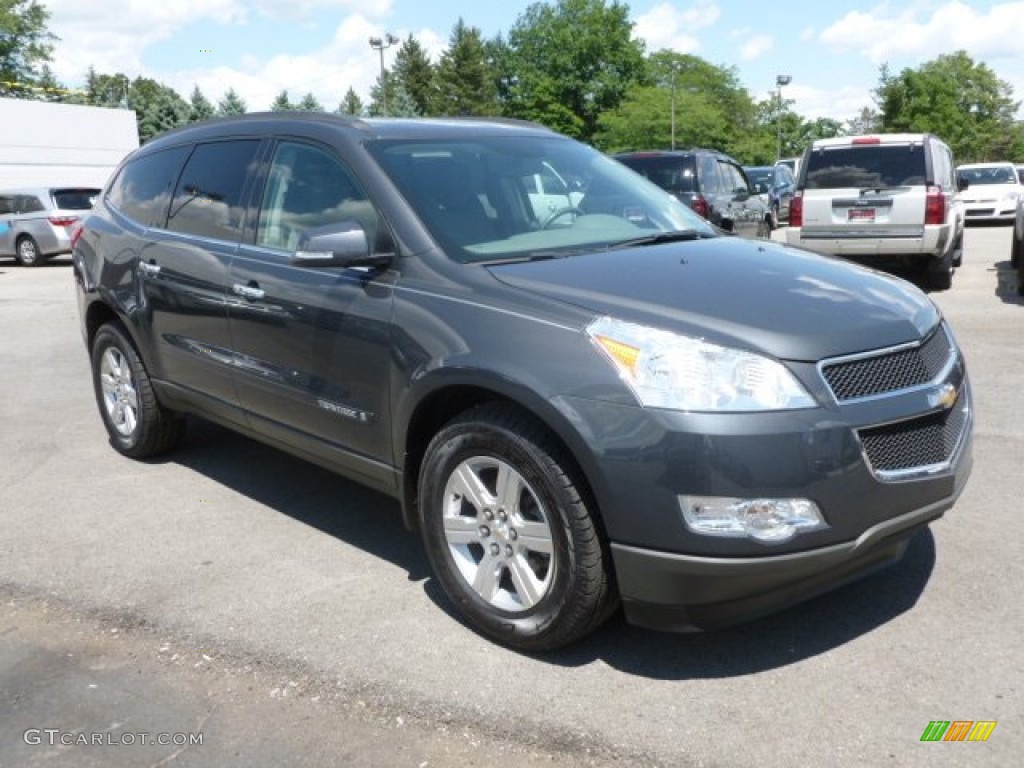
(759, 295)
(987, 192)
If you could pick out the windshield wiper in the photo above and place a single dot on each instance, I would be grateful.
(880, 190)
(678, 236)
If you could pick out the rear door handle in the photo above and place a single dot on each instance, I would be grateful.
(248, 291)
(150, 269)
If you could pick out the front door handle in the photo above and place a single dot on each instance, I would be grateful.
(149, 269)
(252, 292)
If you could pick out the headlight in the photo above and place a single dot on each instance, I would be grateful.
(666, 370)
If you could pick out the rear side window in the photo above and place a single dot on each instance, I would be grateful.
(868, 166)
(29, 204)
(208, 199)
(142, 189)
(75, 199)
(673, 174)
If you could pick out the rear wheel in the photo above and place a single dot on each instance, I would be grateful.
(509, 532)
(27, 252)
(138, 425)
(940, 273)
(1015, 249)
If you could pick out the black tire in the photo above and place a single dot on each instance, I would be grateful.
(1015, 250)
(958, 252)
(138, 425)
(572, 588)
(940, 273)
(1020, 276)
(26, 251)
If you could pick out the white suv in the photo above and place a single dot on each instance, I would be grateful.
(887, 199)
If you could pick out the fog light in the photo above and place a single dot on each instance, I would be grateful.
(772, 521)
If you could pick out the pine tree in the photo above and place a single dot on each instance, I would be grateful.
(282, 103)
(231, 104)
(200, 107)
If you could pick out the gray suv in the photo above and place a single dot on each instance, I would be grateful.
(36, 223)
(575, 408)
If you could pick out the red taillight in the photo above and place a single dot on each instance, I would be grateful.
(700, 205)
(796, 209)
(63, 221)
(76, 234)
(935, 204)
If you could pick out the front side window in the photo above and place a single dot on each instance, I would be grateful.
(208, 198)
(306, 188)
(142, 189)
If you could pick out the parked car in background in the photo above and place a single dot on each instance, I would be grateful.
(711, 183)
(777, 184)
(1017, 245)
(886, 199)
(793, 163)
(36, 223)
(994, 189)
(617, 404)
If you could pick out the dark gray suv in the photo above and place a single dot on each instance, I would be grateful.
(575, 407)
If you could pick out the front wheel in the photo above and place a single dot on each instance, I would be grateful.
(138, 425)
(509, 532)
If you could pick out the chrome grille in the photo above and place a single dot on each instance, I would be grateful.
(923, 442)
(889, 371)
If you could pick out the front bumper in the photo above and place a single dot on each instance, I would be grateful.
(641, 461)
(991, 210)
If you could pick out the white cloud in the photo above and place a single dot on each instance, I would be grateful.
(114, 37)
(304, 9)
(842, 103)
(346, 61)
(665, 26)
(756, 47)
(924, 31)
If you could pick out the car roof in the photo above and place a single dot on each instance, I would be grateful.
(867, 139)
(259, 123)
(1000, 164)
(45, 190)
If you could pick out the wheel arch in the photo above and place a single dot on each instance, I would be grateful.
(448, 399)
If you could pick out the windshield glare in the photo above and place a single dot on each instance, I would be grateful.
(500, 198)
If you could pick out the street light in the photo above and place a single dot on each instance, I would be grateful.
(379, 44)
(780, 80)
(675, 69)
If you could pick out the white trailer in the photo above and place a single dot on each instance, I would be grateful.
(45, 144)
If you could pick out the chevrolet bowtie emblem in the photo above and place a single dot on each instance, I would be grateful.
(945, 396)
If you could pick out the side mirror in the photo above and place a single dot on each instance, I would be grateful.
(961, 183)
(342, 244)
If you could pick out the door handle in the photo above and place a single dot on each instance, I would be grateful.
(251, 292)
(149, 269)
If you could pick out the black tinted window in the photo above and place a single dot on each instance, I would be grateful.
(142, 189)
(75, 199)
(866, 166)
(674, 174)
(208, 199)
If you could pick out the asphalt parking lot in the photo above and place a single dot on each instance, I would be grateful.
(284, 613)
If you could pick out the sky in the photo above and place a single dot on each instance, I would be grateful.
(832, 49)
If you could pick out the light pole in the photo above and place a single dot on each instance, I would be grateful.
(379, 44)
(780, 80)
(672, 116)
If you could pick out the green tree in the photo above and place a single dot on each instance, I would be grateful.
(866, 121)
(231, 104)
(415, 74)
(162, 110)
(382, 94)
(26, 45)
(571, 60)
(465, 81)
(282, 103)
(962, 102)
(200, 107)
(309, 103)
(351, 104)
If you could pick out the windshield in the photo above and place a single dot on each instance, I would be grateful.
(997, 175)
(501, 198)
(765, 176)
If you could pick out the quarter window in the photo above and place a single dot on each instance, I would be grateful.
(208, 200)
(142, 189)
